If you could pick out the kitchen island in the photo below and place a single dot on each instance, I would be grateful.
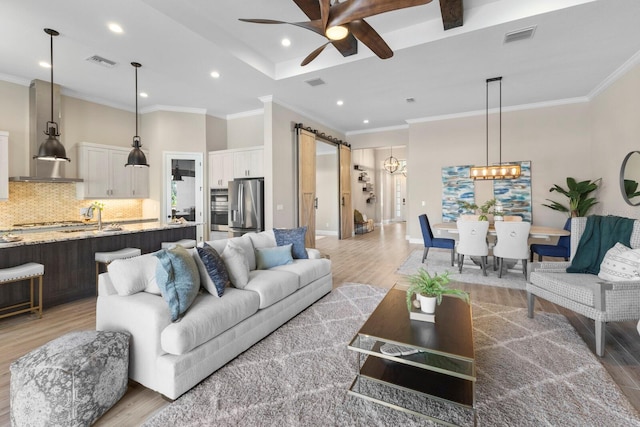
(67, 254)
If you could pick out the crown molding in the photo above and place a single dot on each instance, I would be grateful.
(617, 74)
(377, 130)
(243, 114)
(16, 80)
(173, 109)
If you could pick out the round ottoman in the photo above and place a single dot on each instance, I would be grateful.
(70, 381)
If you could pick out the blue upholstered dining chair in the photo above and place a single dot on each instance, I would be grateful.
(560, 250)
(433, 242)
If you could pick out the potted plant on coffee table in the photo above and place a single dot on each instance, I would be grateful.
(429, 290)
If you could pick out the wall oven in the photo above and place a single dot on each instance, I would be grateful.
(219, 209)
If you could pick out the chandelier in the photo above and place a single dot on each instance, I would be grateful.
(501, 170)
(391, 164)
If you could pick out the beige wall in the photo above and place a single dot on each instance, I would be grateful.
(327, 193)
(245, 131)
(216, 133)
(366, 159)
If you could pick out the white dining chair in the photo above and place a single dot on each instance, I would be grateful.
(512, 243)
(472, 241)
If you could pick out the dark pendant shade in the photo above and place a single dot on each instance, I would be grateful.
(136, 156)
(51, 149)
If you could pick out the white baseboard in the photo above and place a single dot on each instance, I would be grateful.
(326, 233)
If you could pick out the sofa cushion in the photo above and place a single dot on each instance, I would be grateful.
(295, 236)
(267, 258)
(135, 274)
(272, 285)
(178, 279)
(264, 239)
(235, 259)
(216, 277)
(307, 270)
(208, 317)
(620, 263)
(571, 286)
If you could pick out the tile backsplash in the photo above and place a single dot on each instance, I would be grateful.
(44, 202)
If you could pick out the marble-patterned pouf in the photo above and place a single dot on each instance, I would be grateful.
(70, 381)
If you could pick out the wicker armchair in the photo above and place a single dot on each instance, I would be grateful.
(586, 294)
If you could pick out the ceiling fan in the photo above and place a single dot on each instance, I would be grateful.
(343, 22)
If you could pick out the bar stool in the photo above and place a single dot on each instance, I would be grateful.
(185, 243)
(30, 271)
(107, 257)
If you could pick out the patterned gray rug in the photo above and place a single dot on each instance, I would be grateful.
(439, 261)
(531, 372)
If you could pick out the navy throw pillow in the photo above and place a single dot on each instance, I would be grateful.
(294, 236)
(216, 270)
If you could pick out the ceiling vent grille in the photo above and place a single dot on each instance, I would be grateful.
(101, 61)
(315, 82)
(521, 34)
(410, 100)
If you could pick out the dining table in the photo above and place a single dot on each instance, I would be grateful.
(536, 231)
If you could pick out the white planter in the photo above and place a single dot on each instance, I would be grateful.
(427, 304)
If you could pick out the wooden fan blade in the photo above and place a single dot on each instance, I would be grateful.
(370, 37)
(313, 55)
(452, 13)
(262, 21)
(311, 8)
(352, 10)
(325, 5)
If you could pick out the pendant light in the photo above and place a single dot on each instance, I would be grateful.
(136, 156)
(52, 149)
(175, 171)
(391, 164)
(499, 171)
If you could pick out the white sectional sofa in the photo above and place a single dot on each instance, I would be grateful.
(172, 357)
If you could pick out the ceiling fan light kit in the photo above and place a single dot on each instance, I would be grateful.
(501, 170)
(343, 24)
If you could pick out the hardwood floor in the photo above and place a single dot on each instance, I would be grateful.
(369, 258)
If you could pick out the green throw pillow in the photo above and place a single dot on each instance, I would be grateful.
(178, 279)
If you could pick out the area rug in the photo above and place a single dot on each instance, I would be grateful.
(530, 372)
(439, 261)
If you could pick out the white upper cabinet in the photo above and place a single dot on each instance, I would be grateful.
(105, 176)
(220, 169)
(248, 163)
(4, 165)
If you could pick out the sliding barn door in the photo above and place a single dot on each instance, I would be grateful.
(307, 185)
(346, 212)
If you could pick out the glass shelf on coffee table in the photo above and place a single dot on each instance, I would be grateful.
(437, 382)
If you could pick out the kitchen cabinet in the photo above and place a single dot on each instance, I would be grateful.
(248, 163)
(4, 165)
(105, 176)
(221, 169)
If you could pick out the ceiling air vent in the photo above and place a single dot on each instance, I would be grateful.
(410, 100)
(315, 82)
(101, 61)
(521, 34)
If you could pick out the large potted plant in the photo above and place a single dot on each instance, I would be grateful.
(430, 289)
(578, 194)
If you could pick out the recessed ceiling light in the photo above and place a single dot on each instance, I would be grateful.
(44, 64)
(340, 102)
(115, 28)
(365, 121)
(144, 95)
(215, 74)
(286, 42)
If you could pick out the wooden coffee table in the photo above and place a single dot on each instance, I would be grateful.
(442, 371)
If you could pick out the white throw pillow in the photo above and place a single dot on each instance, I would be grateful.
(237, 264)
(133, 275)
(264, 239)
(620, 263)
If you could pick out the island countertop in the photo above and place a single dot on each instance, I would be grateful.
(35, 236)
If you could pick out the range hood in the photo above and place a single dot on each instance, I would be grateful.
(39, 114)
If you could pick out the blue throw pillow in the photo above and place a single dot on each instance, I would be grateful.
(178, 279)
(216, 270)
(295, 236)
(273, 257)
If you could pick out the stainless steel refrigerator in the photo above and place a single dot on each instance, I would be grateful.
(246, 206)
